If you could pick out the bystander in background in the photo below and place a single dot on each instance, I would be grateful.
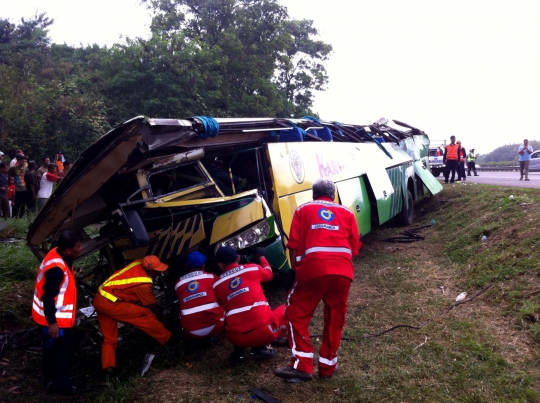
(4, 179)
(524, 152)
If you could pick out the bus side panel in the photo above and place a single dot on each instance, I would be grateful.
(391, 206)
(288, 205)
(353, 194)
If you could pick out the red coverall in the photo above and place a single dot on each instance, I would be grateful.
(200, 314)
(325, 237)
(249, 320)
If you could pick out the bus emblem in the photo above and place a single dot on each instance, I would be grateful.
(297, 167)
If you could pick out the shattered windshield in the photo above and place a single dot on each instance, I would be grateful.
(178, 179)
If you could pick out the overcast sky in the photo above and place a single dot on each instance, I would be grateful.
(464, 67)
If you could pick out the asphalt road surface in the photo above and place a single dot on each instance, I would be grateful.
(503, 178)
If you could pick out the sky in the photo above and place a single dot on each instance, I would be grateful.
(468, 68)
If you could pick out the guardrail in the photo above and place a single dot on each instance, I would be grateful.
(504, 168)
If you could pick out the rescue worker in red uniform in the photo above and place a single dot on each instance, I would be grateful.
(54, 308)
(127, 296)
(200, 314)
(322, 242)
(462, 154)
(451, 159)
(249, 321)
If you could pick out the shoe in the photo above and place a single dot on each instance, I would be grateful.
(263, 353)
(464, 179)
(238, 356)
(527, 179)
(281, 342)
(468, 174)
(451, 181)
(332, 374)
(476, 175)
(65, 391)
(521, 178)
(445, 181)
(293, 375)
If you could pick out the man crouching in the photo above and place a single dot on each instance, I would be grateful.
(249, 320)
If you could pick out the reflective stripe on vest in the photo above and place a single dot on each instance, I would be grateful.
(201, 308)
(125, 281)
(190, 279)
(226, 275)
(65, 301)
(246, 308)
(323, 249)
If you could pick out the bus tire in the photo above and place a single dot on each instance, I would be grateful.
(436, 173)
(406, 217)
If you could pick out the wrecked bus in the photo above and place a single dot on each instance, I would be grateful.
(170, 186)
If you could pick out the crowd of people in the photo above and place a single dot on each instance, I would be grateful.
(24, 186)
(323, 240)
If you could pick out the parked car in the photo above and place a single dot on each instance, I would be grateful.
(535, 160)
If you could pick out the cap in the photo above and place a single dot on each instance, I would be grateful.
(152, 262)
(226, 255)
(195, 260)
(21, 157)
(1, 153)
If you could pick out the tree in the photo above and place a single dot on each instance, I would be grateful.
(45, 105)
(300, 70)
(270, 65)
(506, 153)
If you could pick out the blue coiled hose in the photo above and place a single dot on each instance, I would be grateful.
(313, 119)
(211, 126)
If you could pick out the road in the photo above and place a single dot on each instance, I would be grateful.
(503, 178)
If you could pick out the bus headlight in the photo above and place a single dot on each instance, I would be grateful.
(251, 236)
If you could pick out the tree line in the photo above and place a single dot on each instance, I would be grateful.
(222, 58)
(506, 154)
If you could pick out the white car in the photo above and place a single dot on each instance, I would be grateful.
(535, 160)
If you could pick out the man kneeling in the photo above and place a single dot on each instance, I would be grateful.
(200, 314)
(249, 320)
(127, 296)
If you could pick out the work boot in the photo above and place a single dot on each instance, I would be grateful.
(476, 175)
(238, 356)
(331, 375)
(263, 353)
(62, 390)
(281, 342)
(293, 375)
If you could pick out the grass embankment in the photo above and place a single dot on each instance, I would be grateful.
(481, 351)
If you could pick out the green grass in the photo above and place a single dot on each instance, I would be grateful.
(482, 351)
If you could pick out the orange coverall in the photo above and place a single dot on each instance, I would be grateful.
(126, 310)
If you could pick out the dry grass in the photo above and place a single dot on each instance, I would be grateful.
(482, 351)
(477, 352)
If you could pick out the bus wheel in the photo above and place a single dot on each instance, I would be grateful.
(436, 173)
(406, 217)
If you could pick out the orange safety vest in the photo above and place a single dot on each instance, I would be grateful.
(452, 152)
(131, 275)
(65, 301)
